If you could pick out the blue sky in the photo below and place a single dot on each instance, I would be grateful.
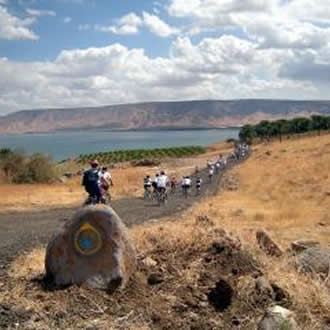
(55, 35)
(75, 53)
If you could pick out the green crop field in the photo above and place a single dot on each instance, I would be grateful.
(139, 154)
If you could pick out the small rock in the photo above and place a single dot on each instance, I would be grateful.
(322, 224)
(314, 260)
(203, 304)
(155, 279)
(277, 318)
(238, 212)
(149, 262)
(93, 325)
(264, 288)
(302, 245)
(267, 244)
(204, 220)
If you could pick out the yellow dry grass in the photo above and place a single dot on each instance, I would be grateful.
(284, 188)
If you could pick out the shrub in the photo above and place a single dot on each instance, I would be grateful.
(20, 168)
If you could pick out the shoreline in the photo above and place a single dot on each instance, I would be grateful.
(126, 130)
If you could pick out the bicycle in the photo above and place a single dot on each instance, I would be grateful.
(185, 191)
(198, 190)
(162, 196)
(173, 188)
(147, 194)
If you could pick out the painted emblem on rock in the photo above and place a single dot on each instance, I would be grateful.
(87, 240)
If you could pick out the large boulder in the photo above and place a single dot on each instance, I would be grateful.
(92, 248)
(315, 260)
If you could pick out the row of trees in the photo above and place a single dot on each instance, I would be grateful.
(279, 128)
(17, 167)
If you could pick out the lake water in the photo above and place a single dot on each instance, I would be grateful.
(63, 145)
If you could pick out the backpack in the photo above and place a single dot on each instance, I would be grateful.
(91, 178)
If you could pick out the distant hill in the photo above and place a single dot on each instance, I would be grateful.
(160, 115)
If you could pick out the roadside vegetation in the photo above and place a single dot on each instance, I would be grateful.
(280, 128)
(139, 154)
(18, 167)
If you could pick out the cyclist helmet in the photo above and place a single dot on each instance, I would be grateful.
(104, 168)
(94, 163)
(162, 173)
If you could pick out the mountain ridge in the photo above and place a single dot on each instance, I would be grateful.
(160, 115)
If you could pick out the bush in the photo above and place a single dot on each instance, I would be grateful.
(20, 168)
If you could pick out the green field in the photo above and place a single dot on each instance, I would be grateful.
(139, 154)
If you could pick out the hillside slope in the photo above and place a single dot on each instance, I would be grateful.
(189, 114)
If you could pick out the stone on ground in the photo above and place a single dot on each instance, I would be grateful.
(92, 248)
(277, 318)
(315, 260)
(264, 288)
(267, 244)
(302, 245)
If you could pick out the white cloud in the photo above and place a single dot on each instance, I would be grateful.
(67, 19)
(13, 27)
(131, 24)
(40, 12)
(314, 11)
(283, 51)
(157, 26)
(272, 23)
(84, 27)
(225, 67)
(128, 24)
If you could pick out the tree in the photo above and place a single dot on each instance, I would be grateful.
(319, 123)
(247, 133)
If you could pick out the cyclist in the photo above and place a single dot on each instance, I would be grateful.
(173, 184)
(211, 172)
(186, 184)
(91, 182)
(162, 183)
(147, 184)
(199, 182)
(217, 167)
(154, 186)
(105, 184)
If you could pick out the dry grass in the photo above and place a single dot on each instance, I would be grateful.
(286, 191)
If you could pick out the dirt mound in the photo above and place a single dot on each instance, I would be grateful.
(206, 284)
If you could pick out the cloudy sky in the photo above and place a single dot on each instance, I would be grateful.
(64, 53)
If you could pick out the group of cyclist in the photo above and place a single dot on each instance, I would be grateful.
(153, 187)
(97, 180)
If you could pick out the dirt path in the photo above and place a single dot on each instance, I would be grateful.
(20, 231)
